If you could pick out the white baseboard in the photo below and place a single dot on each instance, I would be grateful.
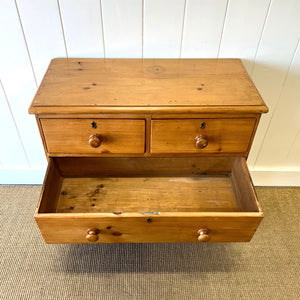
(22, 176)
(275, 178)
(260, 178)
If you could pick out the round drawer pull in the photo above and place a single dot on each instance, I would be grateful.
(203, 235)
(201, 141)
(95, 140)
(92, 235)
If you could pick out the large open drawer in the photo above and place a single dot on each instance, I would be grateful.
(147, 199)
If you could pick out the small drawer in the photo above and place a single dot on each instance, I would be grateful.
(93, 136)
(147, 199)
(202, 135)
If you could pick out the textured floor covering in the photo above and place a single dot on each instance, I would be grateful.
(266, 268)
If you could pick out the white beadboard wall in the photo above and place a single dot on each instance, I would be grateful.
(263, 33)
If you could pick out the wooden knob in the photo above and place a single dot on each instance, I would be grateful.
(203, 235)
(95, 140)
(92, 235)
(201, 141)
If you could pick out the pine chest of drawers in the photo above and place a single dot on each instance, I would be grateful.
(149, 150)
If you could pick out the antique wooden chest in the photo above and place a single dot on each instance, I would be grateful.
(147, 150)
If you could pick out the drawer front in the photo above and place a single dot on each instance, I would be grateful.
(147, 229)
(94, 136)
(201, 135)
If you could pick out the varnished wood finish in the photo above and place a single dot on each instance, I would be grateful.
(203, 235)
(143, 166)
(192, 115)
(152, 116)
(165, 228)
(148, 85)
(162, 110)
(223, 135)
(243, 186)
(124, 204)
(147, 150)
(73, 135)
(95, 140)
(92, 235)
(41, 134)
(108, 154)
(51, 188)
(148, 134)
(146, 194)
(201, 141)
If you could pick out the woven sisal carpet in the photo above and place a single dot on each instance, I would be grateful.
(266, 268)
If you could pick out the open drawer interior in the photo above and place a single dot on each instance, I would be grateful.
(147, 199)
(147, 185)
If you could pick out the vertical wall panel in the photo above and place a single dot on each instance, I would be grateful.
(203, 26)
(264, 33)
(285, 122)
(122, 25)
(163, 21)
(242, 29)
(82, 25)
(292, 161)
(18, 81)
(43, 32)
(275, 53)
(11, 150)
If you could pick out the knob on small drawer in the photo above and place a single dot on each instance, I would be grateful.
(95, 140)
(92, 235)
(201, 141)
(203, 235)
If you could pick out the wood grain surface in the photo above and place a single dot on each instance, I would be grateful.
(72, 135)
(127, 84)
(167, 198)
(156, 208)
(223, 135)
(143, 166)
(146, 194)
(223, 227)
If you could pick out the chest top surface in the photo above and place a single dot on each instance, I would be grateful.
(146, 85)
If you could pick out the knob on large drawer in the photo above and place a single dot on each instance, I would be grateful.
(92, 235)
(95, 140)
(201, 141)
(203, 235)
